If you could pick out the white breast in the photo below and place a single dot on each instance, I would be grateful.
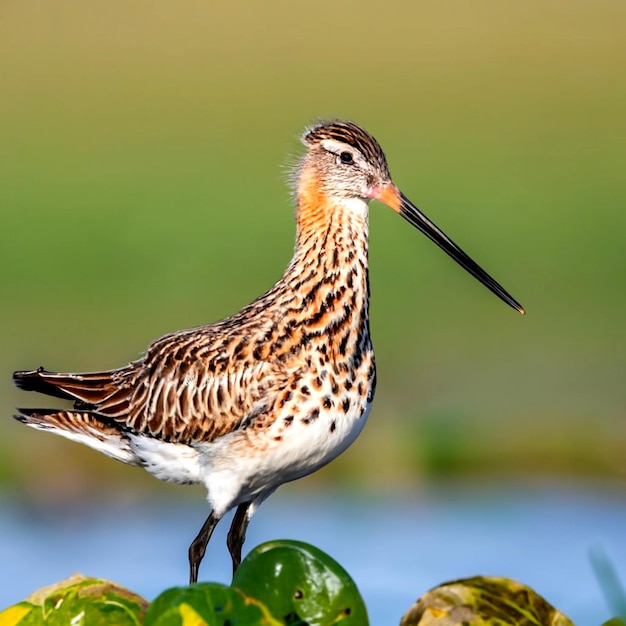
(248, 465)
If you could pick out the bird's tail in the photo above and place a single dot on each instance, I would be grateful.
(99, 398)
(87, 428)
(90, 388)
(106, 393)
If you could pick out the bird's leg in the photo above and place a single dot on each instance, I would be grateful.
(198, 546)
(237, 534)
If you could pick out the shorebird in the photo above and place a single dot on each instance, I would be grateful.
(279, 389)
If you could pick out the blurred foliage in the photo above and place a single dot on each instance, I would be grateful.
(610, 583)
(142, 189)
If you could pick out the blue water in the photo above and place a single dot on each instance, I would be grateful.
(395, 547)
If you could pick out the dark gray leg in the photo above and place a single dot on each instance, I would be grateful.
(198, 546)
(237, 534)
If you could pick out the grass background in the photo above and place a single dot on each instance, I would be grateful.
(143, 156)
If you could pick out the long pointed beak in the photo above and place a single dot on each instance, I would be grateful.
(391, 196)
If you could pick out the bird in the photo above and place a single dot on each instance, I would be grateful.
(280, 388)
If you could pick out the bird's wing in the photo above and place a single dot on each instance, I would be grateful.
(191, 386)
(190, 389)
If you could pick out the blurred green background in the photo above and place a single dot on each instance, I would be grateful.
(144, 154)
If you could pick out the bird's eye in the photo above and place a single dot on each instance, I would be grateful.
(346, 157)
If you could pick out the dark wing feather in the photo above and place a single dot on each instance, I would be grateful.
(91, 388)
(70, 421)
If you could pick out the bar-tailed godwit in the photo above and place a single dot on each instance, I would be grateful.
(279, 389)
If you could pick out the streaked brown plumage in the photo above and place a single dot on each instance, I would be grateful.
(280, 388)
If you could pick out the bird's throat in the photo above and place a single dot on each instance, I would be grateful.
(329, 271)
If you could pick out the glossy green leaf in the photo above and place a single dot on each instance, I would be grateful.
(300, 584)
(207, 604)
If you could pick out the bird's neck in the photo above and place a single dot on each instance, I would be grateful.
(328, 274)
(331, 230)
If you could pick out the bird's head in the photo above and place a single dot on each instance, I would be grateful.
(345, 161)
(344, 165)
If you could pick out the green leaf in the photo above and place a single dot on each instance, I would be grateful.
(79, 601)
(207, 604)
(301, 585)
(483, 601)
